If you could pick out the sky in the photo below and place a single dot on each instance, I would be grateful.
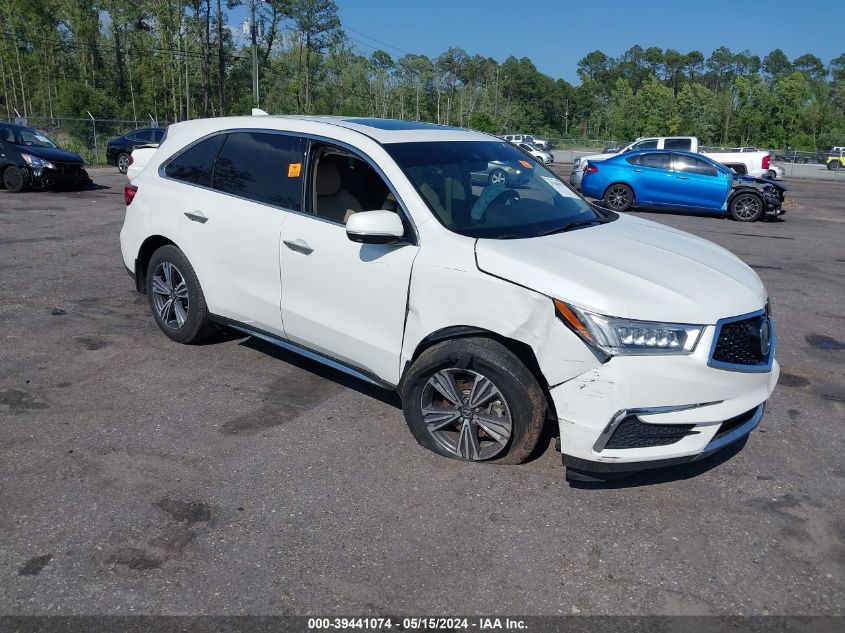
(556, 34)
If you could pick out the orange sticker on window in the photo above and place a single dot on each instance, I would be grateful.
(294, 169)
(526, 164)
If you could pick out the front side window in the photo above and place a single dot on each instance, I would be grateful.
(196, 164)
(647, 144)
(344, 184)
(25, 136)
(693, 165)
(490, 189)
(263, 167)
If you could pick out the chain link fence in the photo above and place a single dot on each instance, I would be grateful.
(86, 136)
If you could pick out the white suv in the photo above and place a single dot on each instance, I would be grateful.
(450, 266)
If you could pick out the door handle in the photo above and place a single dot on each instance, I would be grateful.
(639, 171)
(300, 246)
(196, 216)
(683, 177)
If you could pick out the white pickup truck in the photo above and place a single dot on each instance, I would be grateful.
(756, 164)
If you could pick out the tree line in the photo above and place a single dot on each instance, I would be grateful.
(180, 59)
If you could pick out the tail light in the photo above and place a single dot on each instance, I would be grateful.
(767, 161)
(591, 169)
(129, 192)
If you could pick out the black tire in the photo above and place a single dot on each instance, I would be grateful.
(619, 197)
(498, 175)
(746, 207)
(522, 399)
(13, 179)
(197, 325)
(834, 165)
(122, 162)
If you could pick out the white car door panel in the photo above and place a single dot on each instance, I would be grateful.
(345, 299)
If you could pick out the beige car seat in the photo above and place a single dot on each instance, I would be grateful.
(333, 202)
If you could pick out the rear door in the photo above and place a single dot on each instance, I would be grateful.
(233, 230)
(700, 185)
(651, 177)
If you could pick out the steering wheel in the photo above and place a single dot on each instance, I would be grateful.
(506, 197)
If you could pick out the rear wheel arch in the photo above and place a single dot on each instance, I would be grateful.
(150, 246)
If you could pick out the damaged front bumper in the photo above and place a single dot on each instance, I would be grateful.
(62, 175)
(639, 412)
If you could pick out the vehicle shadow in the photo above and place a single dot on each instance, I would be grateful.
(664, 475)
(306, 364)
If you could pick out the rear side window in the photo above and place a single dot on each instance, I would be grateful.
(157, 136)
(196, 164)
(656, 161)
(693, 165)
(263, 167)
(684, 144)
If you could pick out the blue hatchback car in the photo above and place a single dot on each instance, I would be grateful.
(680, 180)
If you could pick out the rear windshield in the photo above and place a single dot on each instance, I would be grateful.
(489, 189)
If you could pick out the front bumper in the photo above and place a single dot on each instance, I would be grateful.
(72, 176)
(692, 408)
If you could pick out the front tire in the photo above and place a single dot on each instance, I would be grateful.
(13, 179)
(176, 298)
(619, 197)
(746, 207)
(833, 165)
(471, 399)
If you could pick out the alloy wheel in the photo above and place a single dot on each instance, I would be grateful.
(123, 163)
(170, 295)
(466, 414)
(747, 207)
(618, 197)
(497, 176)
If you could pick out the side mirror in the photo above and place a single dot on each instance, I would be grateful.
(375, 227)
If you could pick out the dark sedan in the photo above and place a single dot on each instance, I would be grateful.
(119, 149)
(30, 159)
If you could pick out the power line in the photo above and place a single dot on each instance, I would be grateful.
(370, 37)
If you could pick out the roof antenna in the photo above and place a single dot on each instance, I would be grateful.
(259, 112)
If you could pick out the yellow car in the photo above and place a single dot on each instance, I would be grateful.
(836, 162)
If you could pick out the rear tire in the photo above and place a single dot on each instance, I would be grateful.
(498, 176)
(13, 179)
(496, 409)
(619, 197)
(176, 298)
(746, 207)
(122, 162)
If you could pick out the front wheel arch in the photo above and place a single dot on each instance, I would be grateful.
(519, 349)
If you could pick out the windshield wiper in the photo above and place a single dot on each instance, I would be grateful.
(574, 225)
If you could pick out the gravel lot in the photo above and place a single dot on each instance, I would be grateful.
(140, 476)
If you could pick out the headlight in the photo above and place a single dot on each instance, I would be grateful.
(37, 163)
(615, 336)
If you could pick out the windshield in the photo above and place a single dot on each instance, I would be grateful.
(490, 189)
(26, 136)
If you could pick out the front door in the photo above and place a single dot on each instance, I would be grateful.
(340, 298)
(701, 184)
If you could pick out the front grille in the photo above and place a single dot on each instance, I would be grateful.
(67, 169)
(739, 342)
(634, 433)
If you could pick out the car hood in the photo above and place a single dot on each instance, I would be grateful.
(630, 268)
(50, 153)
(750, 180)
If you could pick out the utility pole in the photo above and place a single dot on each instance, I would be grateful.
(566, 124)
(187, 86)
(253, 36)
